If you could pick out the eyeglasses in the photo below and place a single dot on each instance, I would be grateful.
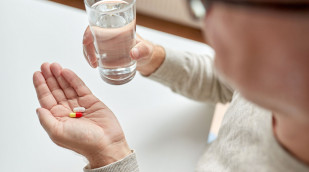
(198, 8)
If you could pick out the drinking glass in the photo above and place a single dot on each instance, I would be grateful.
(113, 24)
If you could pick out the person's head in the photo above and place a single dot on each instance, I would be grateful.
(262, 49)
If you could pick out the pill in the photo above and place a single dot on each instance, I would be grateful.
(79, 109)
(76, 115)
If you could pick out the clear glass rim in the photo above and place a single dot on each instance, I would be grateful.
(111, 12)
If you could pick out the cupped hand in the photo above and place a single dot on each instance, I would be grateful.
(149, 56)
(97, 135)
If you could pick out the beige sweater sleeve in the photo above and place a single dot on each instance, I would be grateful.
(193, 76)
(128, 164)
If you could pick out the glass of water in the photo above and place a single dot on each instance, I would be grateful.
(113, 24)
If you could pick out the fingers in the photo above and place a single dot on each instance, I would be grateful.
(89, 49)
(142, 50)
(75, 82)
(88, 39)
(142, 53)
(52, 83)
(45, 97)
(69, 91)
(89, 54)
(47, 120)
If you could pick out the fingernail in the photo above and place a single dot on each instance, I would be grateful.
(135, 52)
(37, 111)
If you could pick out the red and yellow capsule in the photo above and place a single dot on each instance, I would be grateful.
(76, 115)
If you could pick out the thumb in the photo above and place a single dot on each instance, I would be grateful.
(47, 120)
(142, 50)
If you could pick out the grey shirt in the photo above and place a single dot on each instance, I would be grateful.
(245, 141)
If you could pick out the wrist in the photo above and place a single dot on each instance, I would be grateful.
(157, 58)
(108, 155)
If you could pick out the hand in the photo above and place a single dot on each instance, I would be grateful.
(97, 135)
(149, 57)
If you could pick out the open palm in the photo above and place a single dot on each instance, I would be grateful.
(59, 91)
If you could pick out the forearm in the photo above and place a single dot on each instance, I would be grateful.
(193, 76)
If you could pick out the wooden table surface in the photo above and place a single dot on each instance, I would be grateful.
(151, 22)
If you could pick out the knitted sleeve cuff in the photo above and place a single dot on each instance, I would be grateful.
(127, 164)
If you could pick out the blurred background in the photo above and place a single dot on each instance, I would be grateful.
(170, 16)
